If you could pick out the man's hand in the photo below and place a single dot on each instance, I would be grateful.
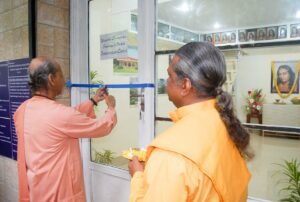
(135, 165)
(110, 101)
(100, 94)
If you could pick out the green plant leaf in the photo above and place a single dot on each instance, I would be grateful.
(291, 181)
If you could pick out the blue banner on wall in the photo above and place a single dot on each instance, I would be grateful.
(13, 91)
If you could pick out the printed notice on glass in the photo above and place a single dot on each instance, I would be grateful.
(14, 91)
(114, 45)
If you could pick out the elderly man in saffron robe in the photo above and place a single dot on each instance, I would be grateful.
(49, 163)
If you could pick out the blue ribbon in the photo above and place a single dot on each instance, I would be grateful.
(140, 85)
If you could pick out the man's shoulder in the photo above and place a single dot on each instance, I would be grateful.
(22, 106)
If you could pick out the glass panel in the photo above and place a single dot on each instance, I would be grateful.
(222, 21)
(223, 29)
(232, 24)
(107, 18)
(163, 30)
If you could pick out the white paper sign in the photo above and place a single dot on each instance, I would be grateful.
(114, 45)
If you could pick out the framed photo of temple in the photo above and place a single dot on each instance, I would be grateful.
(285, 77)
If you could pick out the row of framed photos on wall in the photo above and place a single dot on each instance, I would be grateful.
(254, 34)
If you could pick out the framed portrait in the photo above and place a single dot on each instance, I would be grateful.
(225, 37)
(242, 35)
(232, 37)
(284, 76)
(261, 34)
(295, 30)
(217, 38)
(272, 33)
(251, 34)
(282, 32)
(208, 37)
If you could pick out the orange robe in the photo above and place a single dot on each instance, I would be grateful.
(194, 160)
(49, 159)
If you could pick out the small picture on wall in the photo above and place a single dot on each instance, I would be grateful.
(133, 92)
(251, 34)
(161, 86)
(282, 32)
(242, 35)
(127, 65)
(283, 77)
(208, 37)
(225, 37)
(217, 38)
(232, 37)
(272, 33)
(295, 30)
(261, 34)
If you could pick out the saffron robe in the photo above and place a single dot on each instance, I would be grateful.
(194, 160)
(49, 159)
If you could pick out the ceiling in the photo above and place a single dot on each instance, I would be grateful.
(202, 15)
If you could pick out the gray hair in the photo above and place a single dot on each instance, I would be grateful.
(204, 65)
(38, 77)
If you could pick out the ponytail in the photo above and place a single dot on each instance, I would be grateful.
(205, 66)
(237, 132)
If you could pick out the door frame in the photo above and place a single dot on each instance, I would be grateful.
(79, 58)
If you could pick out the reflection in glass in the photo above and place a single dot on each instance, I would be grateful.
(115, 70)
(163, 30)
(247, 69)
(134, 22)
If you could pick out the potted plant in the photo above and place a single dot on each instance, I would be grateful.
(104, 157)
(290, 172)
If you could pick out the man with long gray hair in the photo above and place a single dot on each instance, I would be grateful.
(201, 157)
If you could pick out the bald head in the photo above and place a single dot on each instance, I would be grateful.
(40, 61)
(39, 70)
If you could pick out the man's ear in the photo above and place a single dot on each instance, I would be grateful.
(51, 80)
(186, 86)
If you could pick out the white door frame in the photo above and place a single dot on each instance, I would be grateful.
(146, 55)
(79, 72)
(79, 64)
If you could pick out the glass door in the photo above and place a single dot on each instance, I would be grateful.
(113, 58)
(254, 42)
